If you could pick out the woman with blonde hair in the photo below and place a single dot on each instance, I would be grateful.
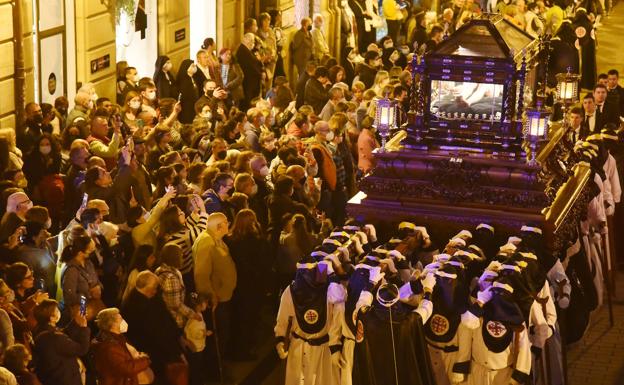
(381, 80)
(15, 154)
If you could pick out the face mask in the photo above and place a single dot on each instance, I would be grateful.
(94, 96)
(388, 44)
(191, 70)
(135, 105)
(45, 150)
(254, 190)
(309, 28)
(264, 171)
(221, 155)
(136, 78)
(329, 136)
(167, 67)
(230, 192)
(151, 95)
(48, 223)
(123, 326)
(90, 105)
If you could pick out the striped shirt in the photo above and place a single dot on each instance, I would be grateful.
(195, 224)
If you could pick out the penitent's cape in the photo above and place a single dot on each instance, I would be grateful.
(373, 358)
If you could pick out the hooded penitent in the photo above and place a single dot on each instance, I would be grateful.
(309, 295)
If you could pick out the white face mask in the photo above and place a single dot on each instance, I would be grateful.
(48, 223)
(90, 105)
(329, 136)
(123, 326)
(191, 70)
(134, 104)
(151, 95)
(167, 67)
(45, 150)
(94, 96)
(264, 171)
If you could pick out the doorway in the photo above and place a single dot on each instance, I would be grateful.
(137, 36)
(203, 23)
(50, 48)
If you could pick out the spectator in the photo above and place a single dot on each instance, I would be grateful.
(335, 95)
(79, 278)
(230, 76)
(280, 203)
(36, 253)
(164, 79)
(316, 89)
(17, 359)
(116, 361)
(176, 227)
(215, 275)
(302, 46)
(151, 329)
(57, 352)
(250, 251)
(320, 47)
(189, 90)
(252, 70)
(295, 240)
(172, 286)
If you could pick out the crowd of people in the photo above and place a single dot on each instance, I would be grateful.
(134, 230)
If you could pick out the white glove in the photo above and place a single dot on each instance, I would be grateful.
(358, 245)
(429, 282)
(456, 378)
(484, 296)
(514, 240)
(464, 234)
(390, 263)
(396, 254)
(508, 248)
(281, 351)
(337, 360)
(405, 291)
(432, 267)
(372, 233)
(375, 275)
(363, 237)
(344, 251)
(441, 257)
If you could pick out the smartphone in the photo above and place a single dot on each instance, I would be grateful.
(180, 97)
(85, 199)
(83, 305)
(40, 284)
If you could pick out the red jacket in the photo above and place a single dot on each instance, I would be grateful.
(114, 363)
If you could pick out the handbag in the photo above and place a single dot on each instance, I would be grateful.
(145, 377)
(177, 373)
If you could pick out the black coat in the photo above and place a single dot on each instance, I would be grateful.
(151, 329)
(300, 90)
(610, 114)
(165, 82)
(55, 354)
(252, 73)
(188, 90)
(367, 74)
(315, 95)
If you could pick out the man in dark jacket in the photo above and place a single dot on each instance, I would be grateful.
(252, 70)
(56, 352)
(215, 199)
(316, 88)
(258, 202)
(301, 83)
(368, 69)
(151, 329)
